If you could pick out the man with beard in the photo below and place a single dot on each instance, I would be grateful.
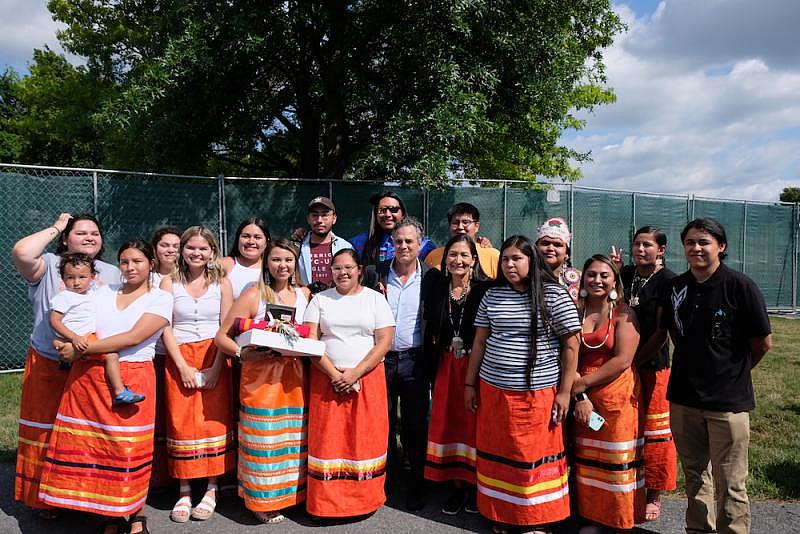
(319, 245)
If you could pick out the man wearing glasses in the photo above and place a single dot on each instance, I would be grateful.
(464, 218)
(375, 245)
(319, 245)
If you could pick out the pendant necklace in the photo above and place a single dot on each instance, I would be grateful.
(637, 285)
(457, 343)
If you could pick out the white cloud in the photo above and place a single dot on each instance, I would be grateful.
(25, 25)
(707, 102)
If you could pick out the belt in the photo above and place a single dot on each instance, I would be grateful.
(403, 354)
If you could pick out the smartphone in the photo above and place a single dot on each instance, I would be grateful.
(595, 421)
(200, 378)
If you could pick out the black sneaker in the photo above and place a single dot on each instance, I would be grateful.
(454, 502)
(415, 500)
(471, 504)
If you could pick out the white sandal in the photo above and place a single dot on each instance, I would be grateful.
(270, 518)
(181, 511)
(205, 508)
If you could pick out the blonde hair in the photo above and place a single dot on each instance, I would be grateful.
(213, 268)
(265, 281)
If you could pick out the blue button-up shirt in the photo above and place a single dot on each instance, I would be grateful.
(404, 301)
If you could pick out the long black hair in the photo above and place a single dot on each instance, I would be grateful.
(477, 275)
(538, 274)
(477, 272)
(375, 235)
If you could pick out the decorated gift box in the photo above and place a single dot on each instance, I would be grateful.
(288, 338)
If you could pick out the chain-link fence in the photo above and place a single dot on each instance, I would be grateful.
(762, 237)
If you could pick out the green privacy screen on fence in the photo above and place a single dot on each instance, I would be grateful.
(762, 237)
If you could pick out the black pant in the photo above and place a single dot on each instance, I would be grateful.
(406, 381)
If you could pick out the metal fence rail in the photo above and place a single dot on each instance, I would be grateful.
(762, 237)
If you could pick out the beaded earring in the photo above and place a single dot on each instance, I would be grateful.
(613, 295)
(582, 293)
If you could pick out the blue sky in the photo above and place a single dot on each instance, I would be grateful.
(708, 95)
(708, 101)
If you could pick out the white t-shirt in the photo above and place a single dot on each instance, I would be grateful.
(49, 285)
(112, 321)
(78, 311)
(347, 323)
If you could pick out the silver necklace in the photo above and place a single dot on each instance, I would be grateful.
(457, 343)
(637, 284)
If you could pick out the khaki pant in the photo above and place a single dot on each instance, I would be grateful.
(713, 444)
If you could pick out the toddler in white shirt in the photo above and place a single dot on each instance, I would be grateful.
(72, 317)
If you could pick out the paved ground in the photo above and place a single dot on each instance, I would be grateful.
(768, 517)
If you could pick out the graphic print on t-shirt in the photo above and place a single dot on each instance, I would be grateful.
(321, 259)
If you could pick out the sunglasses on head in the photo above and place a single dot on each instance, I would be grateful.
(391, 209)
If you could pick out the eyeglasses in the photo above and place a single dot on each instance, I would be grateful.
(343, 268)
(391, 209)
(462, 222)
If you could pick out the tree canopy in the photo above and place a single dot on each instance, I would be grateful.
(790, 194)
(49, 116)
(375, 89)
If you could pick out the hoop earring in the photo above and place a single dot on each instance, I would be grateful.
(613, 295)
(210, 265)
(582, 293)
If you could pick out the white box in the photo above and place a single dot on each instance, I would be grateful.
(274, 340)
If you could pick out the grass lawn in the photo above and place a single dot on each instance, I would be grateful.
(775, 425)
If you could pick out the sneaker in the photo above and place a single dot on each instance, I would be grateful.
(471, 504)
(127, 397)
(415, 500)
(454, 502)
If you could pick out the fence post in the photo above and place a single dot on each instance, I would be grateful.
(505, 209)
(796, 222)
(633, 214)
(744, 238)
(94, 193)
(572, 226)
(223, 227)
(425, 210)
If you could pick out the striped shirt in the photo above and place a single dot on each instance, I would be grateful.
(507, 313)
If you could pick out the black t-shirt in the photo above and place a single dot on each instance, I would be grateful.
(648, 296)
(711, 325)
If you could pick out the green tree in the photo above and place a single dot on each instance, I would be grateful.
(415, 91)
(48, 116)
(10, 140)
(790, 194)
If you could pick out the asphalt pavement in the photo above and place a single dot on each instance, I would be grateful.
(769, 517)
